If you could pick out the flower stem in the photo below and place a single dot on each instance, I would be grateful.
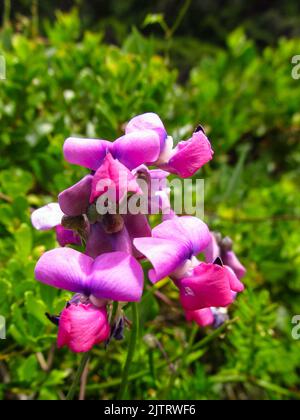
(74, 386)
(131, 350)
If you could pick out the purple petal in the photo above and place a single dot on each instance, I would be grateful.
(98, 242)
(86, 152)
(165, 255)
(148, 121)
(188, 230)
(75, 200)
(122, 241)
(189, 156)
(137, 148)
(47, 217)
(66, 236)
(230, 259)
(138, 227)
(65, 268)
(117, 276)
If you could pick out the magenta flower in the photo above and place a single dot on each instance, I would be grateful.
(188, 156)
(173, 244)
(113, 179)
(145, 142)
(114, 276)
(82, 326)
(209, 285)
(108, 270)
(132, 150)
(50, 217)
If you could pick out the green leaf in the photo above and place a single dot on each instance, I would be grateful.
(36, 308)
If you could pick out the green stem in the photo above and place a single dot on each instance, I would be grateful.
(131, 350)
(85, 359)
(185, 7)
(35, 17)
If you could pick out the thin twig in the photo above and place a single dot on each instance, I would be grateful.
(42, 362)
(83, 382)
(185, 7)
(74, 386)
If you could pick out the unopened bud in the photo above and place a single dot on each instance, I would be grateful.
(227, 244)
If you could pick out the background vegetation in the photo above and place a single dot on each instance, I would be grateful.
(86, 72)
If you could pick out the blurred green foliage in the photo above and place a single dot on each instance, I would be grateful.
(72, 82)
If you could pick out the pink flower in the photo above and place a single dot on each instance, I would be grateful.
(82, 326)
(188, 156)
(210, 285)
(113, 276)
(145, 142)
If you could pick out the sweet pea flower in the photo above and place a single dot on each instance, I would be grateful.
(82, 326)
(145, 142)
(132, 150)
(112, 276)
(50, 217)
(186, 158)
(173, 245)
(209, 285)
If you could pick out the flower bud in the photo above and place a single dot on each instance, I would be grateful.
(82, 326)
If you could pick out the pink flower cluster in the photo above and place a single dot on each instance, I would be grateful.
(100, 255)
